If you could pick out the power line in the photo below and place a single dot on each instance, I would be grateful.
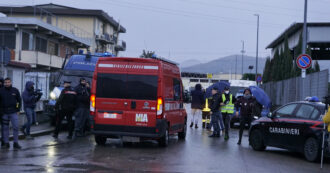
(187, 13)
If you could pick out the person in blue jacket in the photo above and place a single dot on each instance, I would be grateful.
(30, 98)
(10, 100)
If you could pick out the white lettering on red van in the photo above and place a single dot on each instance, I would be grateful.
(146, 67)
(172, 106)
(141, 118)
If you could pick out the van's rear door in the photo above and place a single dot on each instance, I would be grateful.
(126, 94)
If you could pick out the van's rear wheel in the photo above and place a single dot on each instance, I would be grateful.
(100, 140)
(182, 135)
(163, 141)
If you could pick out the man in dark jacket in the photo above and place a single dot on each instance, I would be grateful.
(82, 111)
(30, 98)
(215, 112)
(246, 104)
(65, 106)
(197, 103)
(1, 113)
(11, 105)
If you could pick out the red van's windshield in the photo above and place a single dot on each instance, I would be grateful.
(127, 86)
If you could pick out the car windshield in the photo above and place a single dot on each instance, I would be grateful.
(127, 86)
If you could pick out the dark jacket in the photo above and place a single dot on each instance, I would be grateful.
(10, 99)
(67, 100)
(29, 97)
(197, 100)
(215, 102)
(83, 96)
(247, 106)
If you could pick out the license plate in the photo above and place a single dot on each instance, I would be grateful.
(130, 139)
(108, 115)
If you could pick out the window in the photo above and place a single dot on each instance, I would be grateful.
(53, 48)
(122, 86)
(286, 111)
(27, 41)
(316, 114)
(204, 80)
(8, 39)
(194, 80)
(305, 111)
(41, 45)
(214, 81)
(176, 89)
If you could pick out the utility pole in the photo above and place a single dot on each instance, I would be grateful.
(242, 51)
(236, 68)
(257, 47)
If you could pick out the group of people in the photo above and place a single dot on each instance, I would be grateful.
(10, 106)
(73, 102)
(220, 109)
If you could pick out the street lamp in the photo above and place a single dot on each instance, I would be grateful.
(242, 51)
(257, 45)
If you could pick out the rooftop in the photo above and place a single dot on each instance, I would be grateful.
(62, 10)
(38, 24)
(293, 28)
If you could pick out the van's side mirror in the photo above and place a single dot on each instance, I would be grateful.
(270, 115)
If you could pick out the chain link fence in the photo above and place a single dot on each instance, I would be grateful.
(290, 90)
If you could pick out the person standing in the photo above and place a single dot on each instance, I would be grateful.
(30, 98)
(65, 107)
(82, 111)
(215, 112)
(1, 113)
(11, 105)
(227, 109)
(197, 103)
(246, 104)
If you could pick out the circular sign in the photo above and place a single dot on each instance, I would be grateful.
(259, 78)
(304, 61)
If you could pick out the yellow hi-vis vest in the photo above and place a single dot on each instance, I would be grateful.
(206, 108)
(228, 108)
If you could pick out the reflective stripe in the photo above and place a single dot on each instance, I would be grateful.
(203, 120)
(228, 108)
(208, 121)
(206, 108)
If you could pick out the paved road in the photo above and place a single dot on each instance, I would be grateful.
(198, 153)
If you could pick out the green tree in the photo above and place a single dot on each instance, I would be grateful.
(287, 60)
(267, 71)
(249, 76)
(147, 54)
(316, 66)
(275, 69)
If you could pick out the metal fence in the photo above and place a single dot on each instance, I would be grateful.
(282, 92)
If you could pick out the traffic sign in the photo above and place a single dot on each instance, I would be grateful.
(304, 61)
(209, 75)
(259, 78)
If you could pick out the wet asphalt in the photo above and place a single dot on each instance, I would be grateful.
(198, 153)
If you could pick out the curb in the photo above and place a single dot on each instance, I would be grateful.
(34, 134)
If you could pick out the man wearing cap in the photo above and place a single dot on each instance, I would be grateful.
(227, 109)
(215, 112)
(65, 106)
(82, 111)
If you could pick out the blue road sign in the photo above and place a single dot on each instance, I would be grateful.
(304, 61)
(259, 78)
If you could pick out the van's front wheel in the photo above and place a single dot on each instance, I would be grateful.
(100, 140)
(163, 141)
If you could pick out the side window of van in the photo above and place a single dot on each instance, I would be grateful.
(176, 89)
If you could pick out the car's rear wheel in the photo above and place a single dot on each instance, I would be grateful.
(256, 140)
(312, 150)
(100, 140)
(163, 141)
(182, 135)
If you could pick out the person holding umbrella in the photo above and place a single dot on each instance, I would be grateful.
(215, 112)
(247, 105)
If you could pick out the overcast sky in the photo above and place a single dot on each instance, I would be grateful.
(199, 29)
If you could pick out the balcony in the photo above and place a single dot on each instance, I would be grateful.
(105, 39)
(121, 46)
(35, 58)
